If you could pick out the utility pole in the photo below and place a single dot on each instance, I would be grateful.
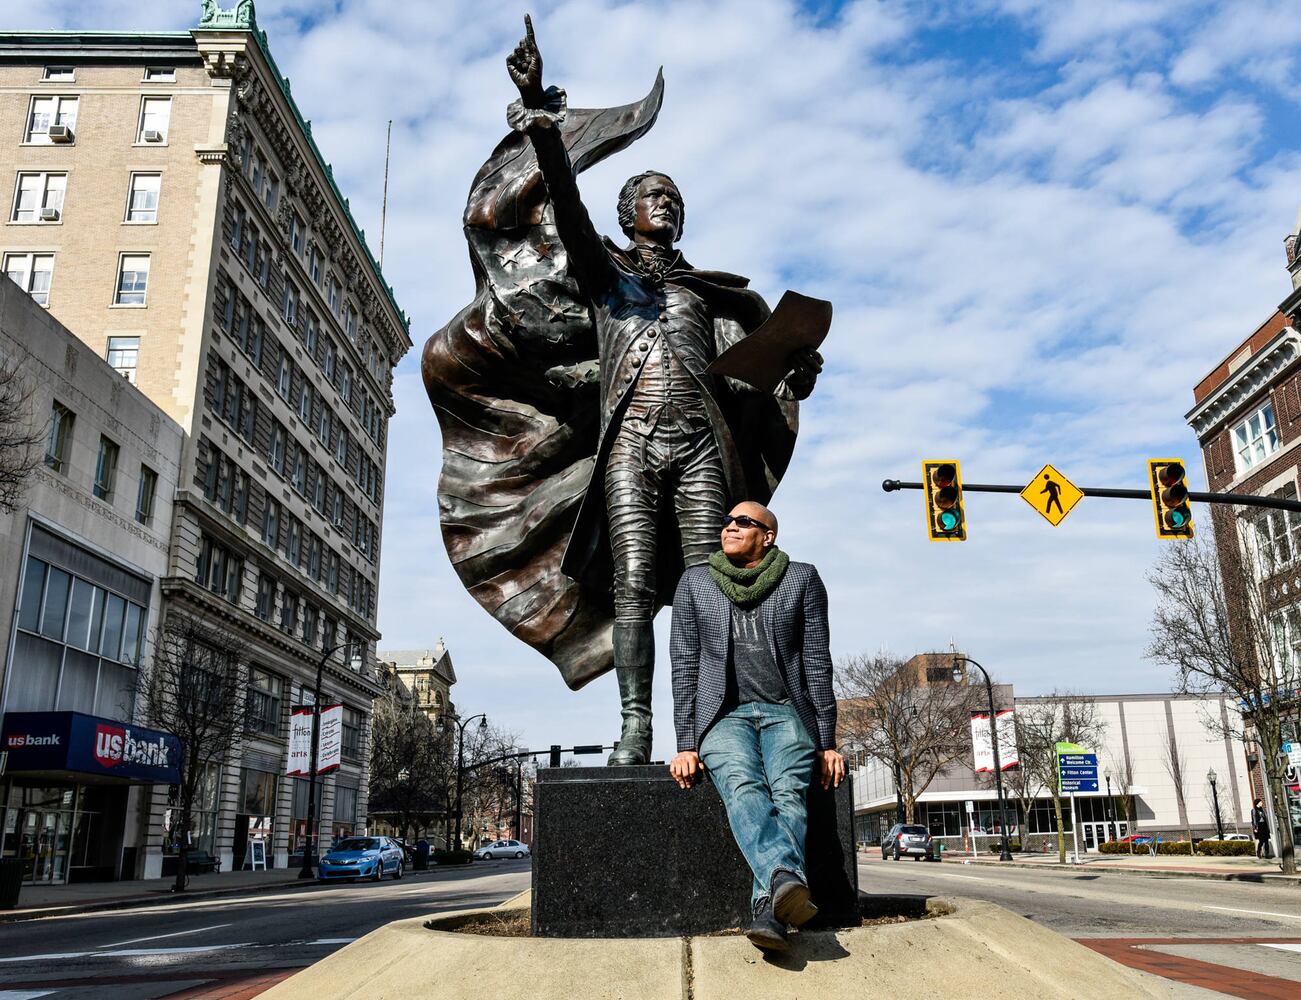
(1005, 853)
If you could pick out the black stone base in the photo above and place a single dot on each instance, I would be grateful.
(625, 852)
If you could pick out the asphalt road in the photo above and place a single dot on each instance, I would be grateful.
(180, 948)
(1138, 920)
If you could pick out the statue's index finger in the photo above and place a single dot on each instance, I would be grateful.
(528, 30)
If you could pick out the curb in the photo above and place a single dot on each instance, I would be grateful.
(158, 897)
(1258, 877)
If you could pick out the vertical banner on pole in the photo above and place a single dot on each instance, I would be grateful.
(300, 741)
(983, 745)
(330, 754)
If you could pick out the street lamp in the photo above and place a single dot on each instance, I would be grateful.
(1215, 798)
(460, 759)
(1106, 777)
(1005, 853)
(309, 845)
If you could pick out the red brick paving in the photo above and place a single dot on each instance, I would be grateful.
(1220, 978)
(243, 988)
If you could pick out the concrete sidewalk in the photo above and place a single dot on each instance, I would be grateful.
(1235, 869)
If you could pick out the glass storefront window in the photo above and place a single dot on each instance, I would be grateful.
(38, 825)
(257, 792)
(203, 816)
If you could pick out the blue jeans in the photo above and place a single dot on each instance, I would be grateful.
(760, 758)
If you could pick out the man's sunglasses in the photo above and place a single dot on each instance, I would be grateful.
(744, 521)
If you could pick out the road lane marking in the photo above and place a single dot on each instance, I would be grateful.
(159, 937)
(126, 952)
(1286, 947)
(1258, 913)
(332, 941)
(24, 994)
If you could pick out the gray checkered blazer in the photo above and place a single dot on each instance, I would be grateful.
(795, 619)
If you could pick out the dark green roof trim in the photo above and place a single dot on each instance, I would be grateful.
(261, 37)
(95, 46)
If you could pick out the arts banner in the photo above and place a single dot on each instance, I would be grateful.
(980, 741)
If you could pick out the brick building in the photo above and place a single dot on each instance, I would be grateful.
(171, 208)
(1247, 417)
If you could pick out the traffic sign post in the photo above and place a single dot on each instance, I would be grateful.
(1077, 771)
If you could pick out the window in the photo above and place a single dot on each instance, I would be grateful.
(284, 377)
(257, 792)
(323, 427)
(272, 191)
(219, 569)
(155, 115)
(48, 111)
(337, 505)
(59, 440)
(290, 308)
(341, 447)
(294, 544)
(331, 355)
(60, 74)
(262, 263)
(289, 612)
(233, 401)
(298, 477)
(353, 723)
(305, 402)
(105, 469)
(276, 451)
(332, 572)
(32, 272)
(1278, 536)
(345, 384)
(1256, 438)
(296, 230)
(39, 197)
(350, 324)
(329, 633)
(160, 74)
(145, 490)
(271, 524)
(266, 596)
(318, 491)
(132, 280)
(265, 692)
(334, 297)
(142, 202)
(309, 335)
(238, 220)
(122, 354)
(310, 618)
(314, 266)
(314, 558)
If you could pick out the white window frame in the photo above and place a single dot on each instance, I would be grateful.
(122, 351)
(33, 138)
(305, 401)
(284, 377)
(159, 74)
(130, 197)
(1255, 437)
(59, 74)
(290, 311)
(145, 103)
(122, 258)
(297, 234)
(45, 177)
(29, 272)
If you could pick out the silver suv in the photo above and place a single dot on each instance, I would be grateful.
(908, 840)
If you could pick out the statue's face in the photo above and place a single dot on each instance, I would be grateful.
(657, 211)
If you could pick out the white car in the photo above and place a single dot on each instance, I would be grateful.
(1237, 836)
(502, 849)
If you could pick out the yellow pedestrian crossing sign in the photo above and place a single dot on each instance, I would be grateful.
(1051, 494)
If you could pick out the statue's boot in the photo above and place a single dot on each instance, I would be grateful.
(634, 666)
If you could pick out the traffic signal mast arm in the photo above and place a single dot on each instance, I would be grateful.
(1243, 499)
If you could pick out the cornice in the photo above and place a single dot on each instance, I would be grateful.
(1246, 383)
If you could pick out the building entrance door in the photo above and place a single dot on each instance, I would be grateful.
(1093, 834)
(38, 831)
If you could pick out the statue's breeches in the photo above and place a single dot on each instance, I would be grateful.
(677, 465)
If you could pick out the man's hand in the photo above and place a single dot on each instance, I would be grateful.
(806, 365)
(686, 768)
(831, 768)
(525, 67)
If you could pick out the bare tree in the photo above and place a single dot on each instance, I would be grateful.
(887, 711)
(1175, 763)
(1230, 625)
(408, 763)
(1040, 725)
(196, 689)
(484, 794)
(20, 436)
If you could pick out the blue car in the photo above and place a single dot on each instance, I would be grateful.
(361, 857)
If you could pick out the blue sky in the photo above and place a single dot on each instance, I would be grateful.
(1041, 223)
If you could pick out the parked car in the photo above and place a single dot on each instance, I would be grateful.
(361, 857)
(1237, 836)
(502, 849)
(1136, 838)
(904, 839)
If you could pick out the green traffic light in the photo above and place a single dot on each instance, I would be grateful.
(948, 520)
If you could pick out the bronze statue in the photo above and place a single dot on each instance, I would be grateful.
(588, 456)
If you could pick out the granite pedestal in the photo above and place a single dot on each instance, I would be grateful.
(625, 852)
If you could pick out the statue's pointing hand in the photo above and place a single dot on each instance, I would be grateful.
(806, 366)
(525, 67)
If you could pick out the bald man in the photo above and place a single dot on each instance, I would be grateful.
(753, 705)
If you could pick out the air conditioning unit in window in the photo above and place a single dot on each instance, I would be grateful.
(60, 133)
(49, 215)
(151, 135)
(338, 523)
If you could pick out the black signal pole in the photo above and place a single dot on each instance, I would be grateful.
(1005, 853)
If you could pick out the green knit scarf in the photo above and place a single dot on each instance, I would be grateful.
(747, 587)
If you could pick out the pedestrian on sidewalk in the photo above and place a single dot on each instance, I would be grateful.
(753, 704)
(1260, 829)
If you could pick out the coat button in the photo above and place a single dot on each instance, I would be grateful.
(628, 377)
(643, 346)
(663, 316)
(636, 362)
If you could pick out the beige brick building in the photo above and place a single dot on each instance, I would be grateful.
(170, 207)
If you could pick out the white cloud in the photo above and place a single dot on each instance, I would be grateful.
(1034, 255)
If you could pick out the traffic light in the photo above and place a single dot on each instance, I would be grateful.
(945, 521)
(1174, 518)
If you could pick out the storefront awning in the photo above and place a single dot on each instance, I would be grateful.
(89, 748)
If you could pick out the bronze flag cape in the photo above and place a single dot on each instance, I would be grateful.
(519, 450)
